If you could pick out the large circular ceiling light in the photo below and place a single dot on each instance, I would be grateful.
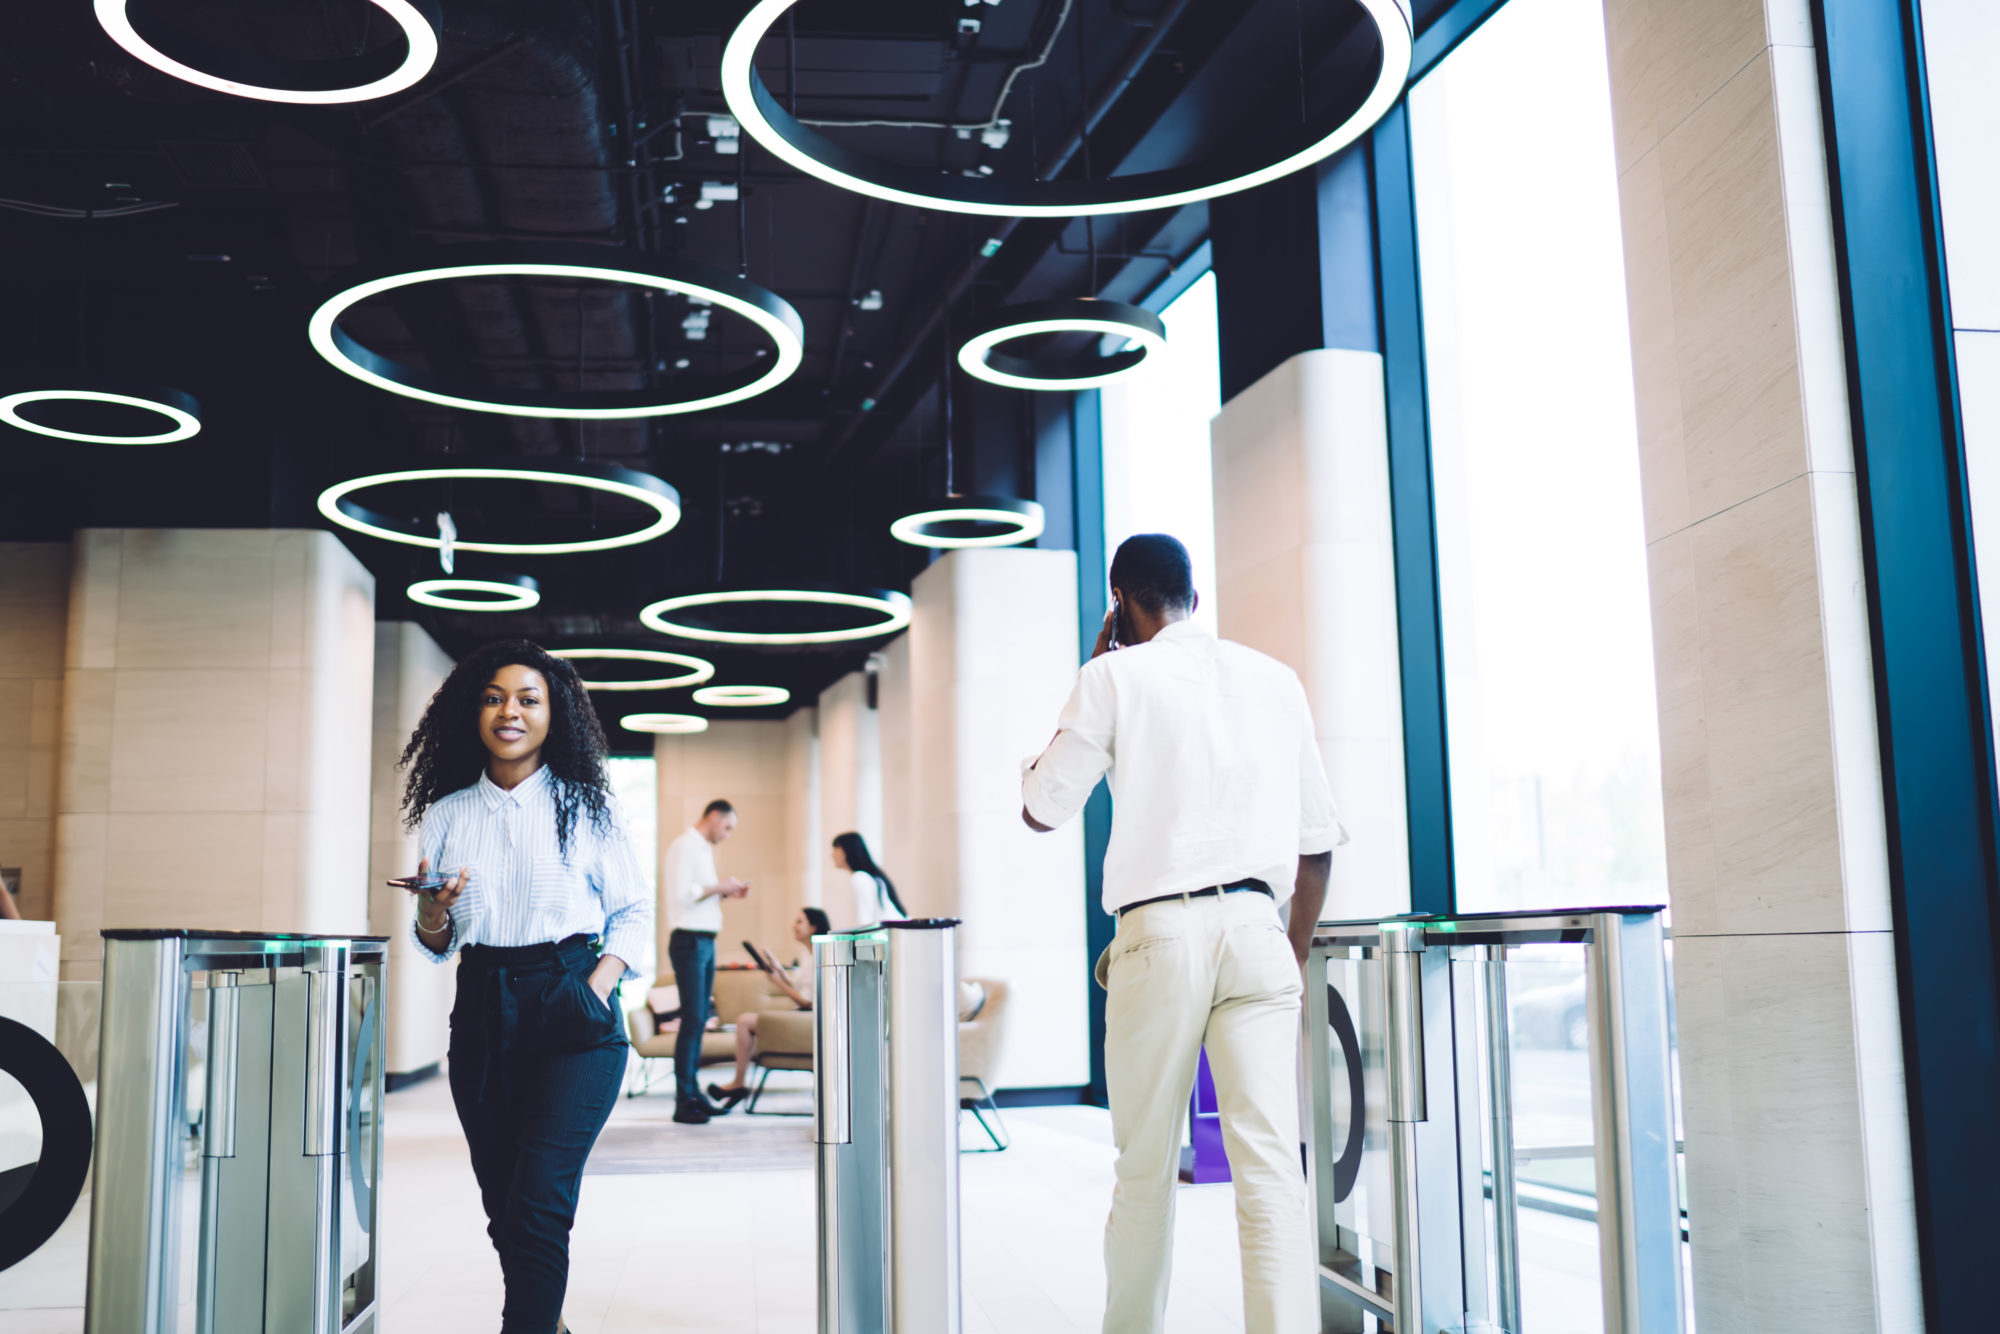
(664, 724)
(982, 357)
(180, 409)
(813, 153)
(513, 592)
(697, 670)
(360, 78)
(971, 521)
(584, 263)
(741, 697)
(893, 608)
(643, 487)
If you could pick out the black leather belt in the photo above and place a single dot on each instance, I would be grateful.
(1254, 885)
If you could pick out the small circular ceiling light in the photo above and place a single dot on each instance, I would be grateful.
(982, 357)
(664, 724)
(697, 670)
(893, 608)
(643, 487)
(180, 409)
(971, 521)
(507, 592)
(766, 120)
(582, 263)
(741, 697)
(361, 78)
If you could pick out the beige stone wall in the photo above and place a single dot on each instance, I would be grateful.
(214, 747)
(34, 615)
(1305, 571)
(765, 770)
(1799, 1191)
(409, 667)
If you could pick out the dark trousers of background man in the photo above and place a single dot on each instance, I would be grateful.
(692, 956)
(536, 1060)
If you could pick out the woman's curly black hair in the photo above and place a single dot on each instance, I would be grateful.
(446, 754)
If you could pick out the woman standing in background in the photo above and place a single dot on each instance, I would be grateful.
(547, 908)
(874, 896)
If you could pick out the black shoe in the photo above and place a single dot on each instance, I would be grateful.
(726, 1099)
(695, 1113)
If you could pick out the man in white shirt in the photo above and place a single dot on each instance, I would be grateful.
(1221, 808)
(693, 893)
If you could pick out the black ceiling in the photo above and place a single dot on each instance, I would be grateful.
(153, 229)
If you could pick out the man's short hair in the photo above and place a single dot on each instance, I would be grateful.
(717, 805)
(1154, 571)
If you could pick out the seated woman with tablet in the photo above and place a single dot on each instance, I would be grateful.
(797, 985)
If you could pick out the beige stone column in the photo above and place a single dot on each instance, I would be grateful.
(1306, 572)
(34, 614)
(1799, 1190)
(409, 668)
(213, 760)
(992, 656)
(850, 784)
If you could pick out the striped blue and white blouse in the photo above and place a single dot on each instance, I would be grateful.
(520, 889)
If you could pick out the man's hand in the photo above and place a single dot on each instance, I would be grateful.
(1308, 898)
(1106, 636)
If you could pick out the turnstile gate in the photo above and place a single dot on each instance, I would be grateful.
(1414, 1144)
(290, 1133)
(885, 1119)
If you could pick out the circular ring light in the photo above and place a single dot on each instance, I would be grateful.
(180, 409)
(982, 358)
(765, 309)
(665, 724)
(316, 82)
(697, 670)
(813, 153)
(507, 592)
(741, 697)
(946, 526)
(894, 608)
(640, 486)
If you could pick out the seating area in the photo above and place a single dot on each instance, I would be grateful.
(785, 1042)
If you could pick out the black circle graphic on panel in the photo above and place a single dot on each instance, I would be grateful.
(57, 1179)
(1347, 1168)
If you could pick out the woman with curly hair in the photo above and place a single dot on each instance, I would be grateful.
(546, 907)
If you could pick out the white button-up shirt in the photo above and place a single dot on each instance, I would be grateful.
(1215, 774)
(521, 889)
(690, 868)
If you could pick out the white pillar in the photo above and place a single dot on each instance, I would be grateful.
(1306, 572)
(850, 781)
(992, 656)
(215, 739)
(409, 668)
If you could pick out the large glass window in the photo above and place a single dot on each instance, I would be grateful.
(1156, 464)
(1550, 707)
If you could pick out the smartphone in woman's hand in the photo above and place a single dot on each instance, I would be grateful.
(422, 882)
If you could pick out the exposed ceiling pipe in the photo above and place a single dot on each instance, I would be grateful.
(1142, 50)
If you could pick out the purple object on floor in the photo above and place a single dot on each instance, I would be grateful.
(1211, 1162)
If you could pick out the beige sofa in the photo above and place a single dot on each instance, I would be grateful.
(737, 991)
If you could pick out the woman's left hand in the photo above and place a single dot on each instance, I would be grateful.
(605, 976)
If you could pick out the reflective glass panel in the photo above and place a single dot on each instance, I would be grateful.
(1551, 713)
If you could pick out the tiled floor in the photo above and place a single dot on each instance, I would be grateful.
(732, 1251)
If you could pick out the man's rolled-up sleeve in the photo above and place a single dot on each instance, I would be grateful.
(1320, 829)
(1060, 780)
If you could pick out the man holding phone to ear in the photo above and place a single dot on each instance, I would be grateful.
(1222, 813)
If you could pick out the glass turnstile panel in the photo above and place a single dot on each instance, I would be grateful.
(1494, 1141)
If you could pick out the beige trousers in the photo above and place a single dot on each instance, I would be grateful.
(1215, 972)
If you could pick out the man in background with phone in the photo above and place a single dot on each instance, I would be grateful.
(1221, 813)
(692, 893)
